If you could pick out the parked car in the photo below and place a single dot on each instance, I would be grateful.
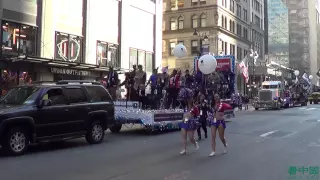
(52, 112)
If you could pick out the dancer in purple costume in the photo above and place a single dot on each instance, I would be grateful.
(188, 126)
(217, 122)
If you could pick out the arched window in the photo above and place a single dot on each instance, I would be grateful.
(173, 25)
(194, 21)
(203, 20)
(180, 22)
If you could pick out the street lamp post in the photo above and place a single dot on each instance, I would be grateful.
(254, 57)
(203, 38)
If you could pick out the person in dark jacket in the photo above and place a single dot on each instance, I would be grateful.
(204, 108)
(112, 82)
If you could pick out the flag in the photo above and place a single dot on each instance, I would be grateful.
(244, 70)
(306, 78)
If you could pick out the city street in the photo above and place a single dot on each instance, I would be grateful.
(263, 145)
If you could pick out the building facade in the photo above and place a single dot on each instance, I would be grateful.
(303, 36)
(57, 39)
(278, 32)
(257, 27)
(226, 23)
(228, 27)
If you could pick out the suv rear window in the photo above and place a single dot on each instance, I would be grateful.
(98, 94)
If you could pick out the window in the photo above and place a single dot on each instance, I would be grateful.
(225, 22)
(203, 19)
(245, 33)
(107, 54)
(75, 95)
(239, 30)
(18, 39)
(232, 6)
(56, 97)
(203, 2)
(149, 62)
(180, 22)
(222, 21)
(194, 47)
(225, 48)
(21, 95)
(222, 46)
(173, 4)
(194, 2)
(68, 47)
(181, 42)
(172, 45)
(245, 14)
(245, 52)
(232, 26)
(133, 54)
(142, 58)
(194, 21)
(232, 49)
(98, 94)
(173, 25)
(239, 53)
(180, 3)
(238, 10)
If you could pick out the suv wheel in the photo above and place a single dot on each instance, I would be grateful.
(16, 141)
(95, 133)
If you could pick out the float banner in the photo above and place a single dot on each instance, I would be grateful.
(168, 117)
(223, 64)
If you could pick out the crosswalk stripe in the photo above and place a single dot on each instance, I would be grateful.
(302, 108)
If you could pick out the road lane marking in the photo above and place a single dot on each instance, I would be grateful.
(268, 133)
(302, 108)
(310, 109)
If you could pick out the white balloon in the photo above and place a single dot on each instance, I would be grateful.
(180, 51)
(310, 77)
(207, 64)
(296, 72)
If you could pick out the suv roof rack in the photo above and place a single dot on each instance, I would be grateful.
(77, 82)
(44, 82)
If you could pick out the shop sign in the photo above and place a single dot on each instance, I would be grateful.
(70, 72)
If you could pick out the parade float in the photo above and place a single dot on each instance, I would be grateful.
(129, 113)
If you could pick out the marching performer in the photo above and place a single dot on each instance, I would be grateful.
(173, 90)
(203, 119)
(188, 127)
(112, 82)
(217, 123)
(139, 85)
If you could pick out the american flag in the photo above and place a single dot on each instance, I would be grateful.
(244, 70)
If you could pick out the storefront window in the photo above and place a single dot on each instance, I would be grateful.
(149, 63)
(133, 57)
(142, 58)
(18, 39)
(102, 53)
(107, 54)
(68, 47)
(11, 78)
(113, 59)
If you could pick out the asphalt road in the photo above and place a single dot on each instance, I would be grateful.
(262, 146)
